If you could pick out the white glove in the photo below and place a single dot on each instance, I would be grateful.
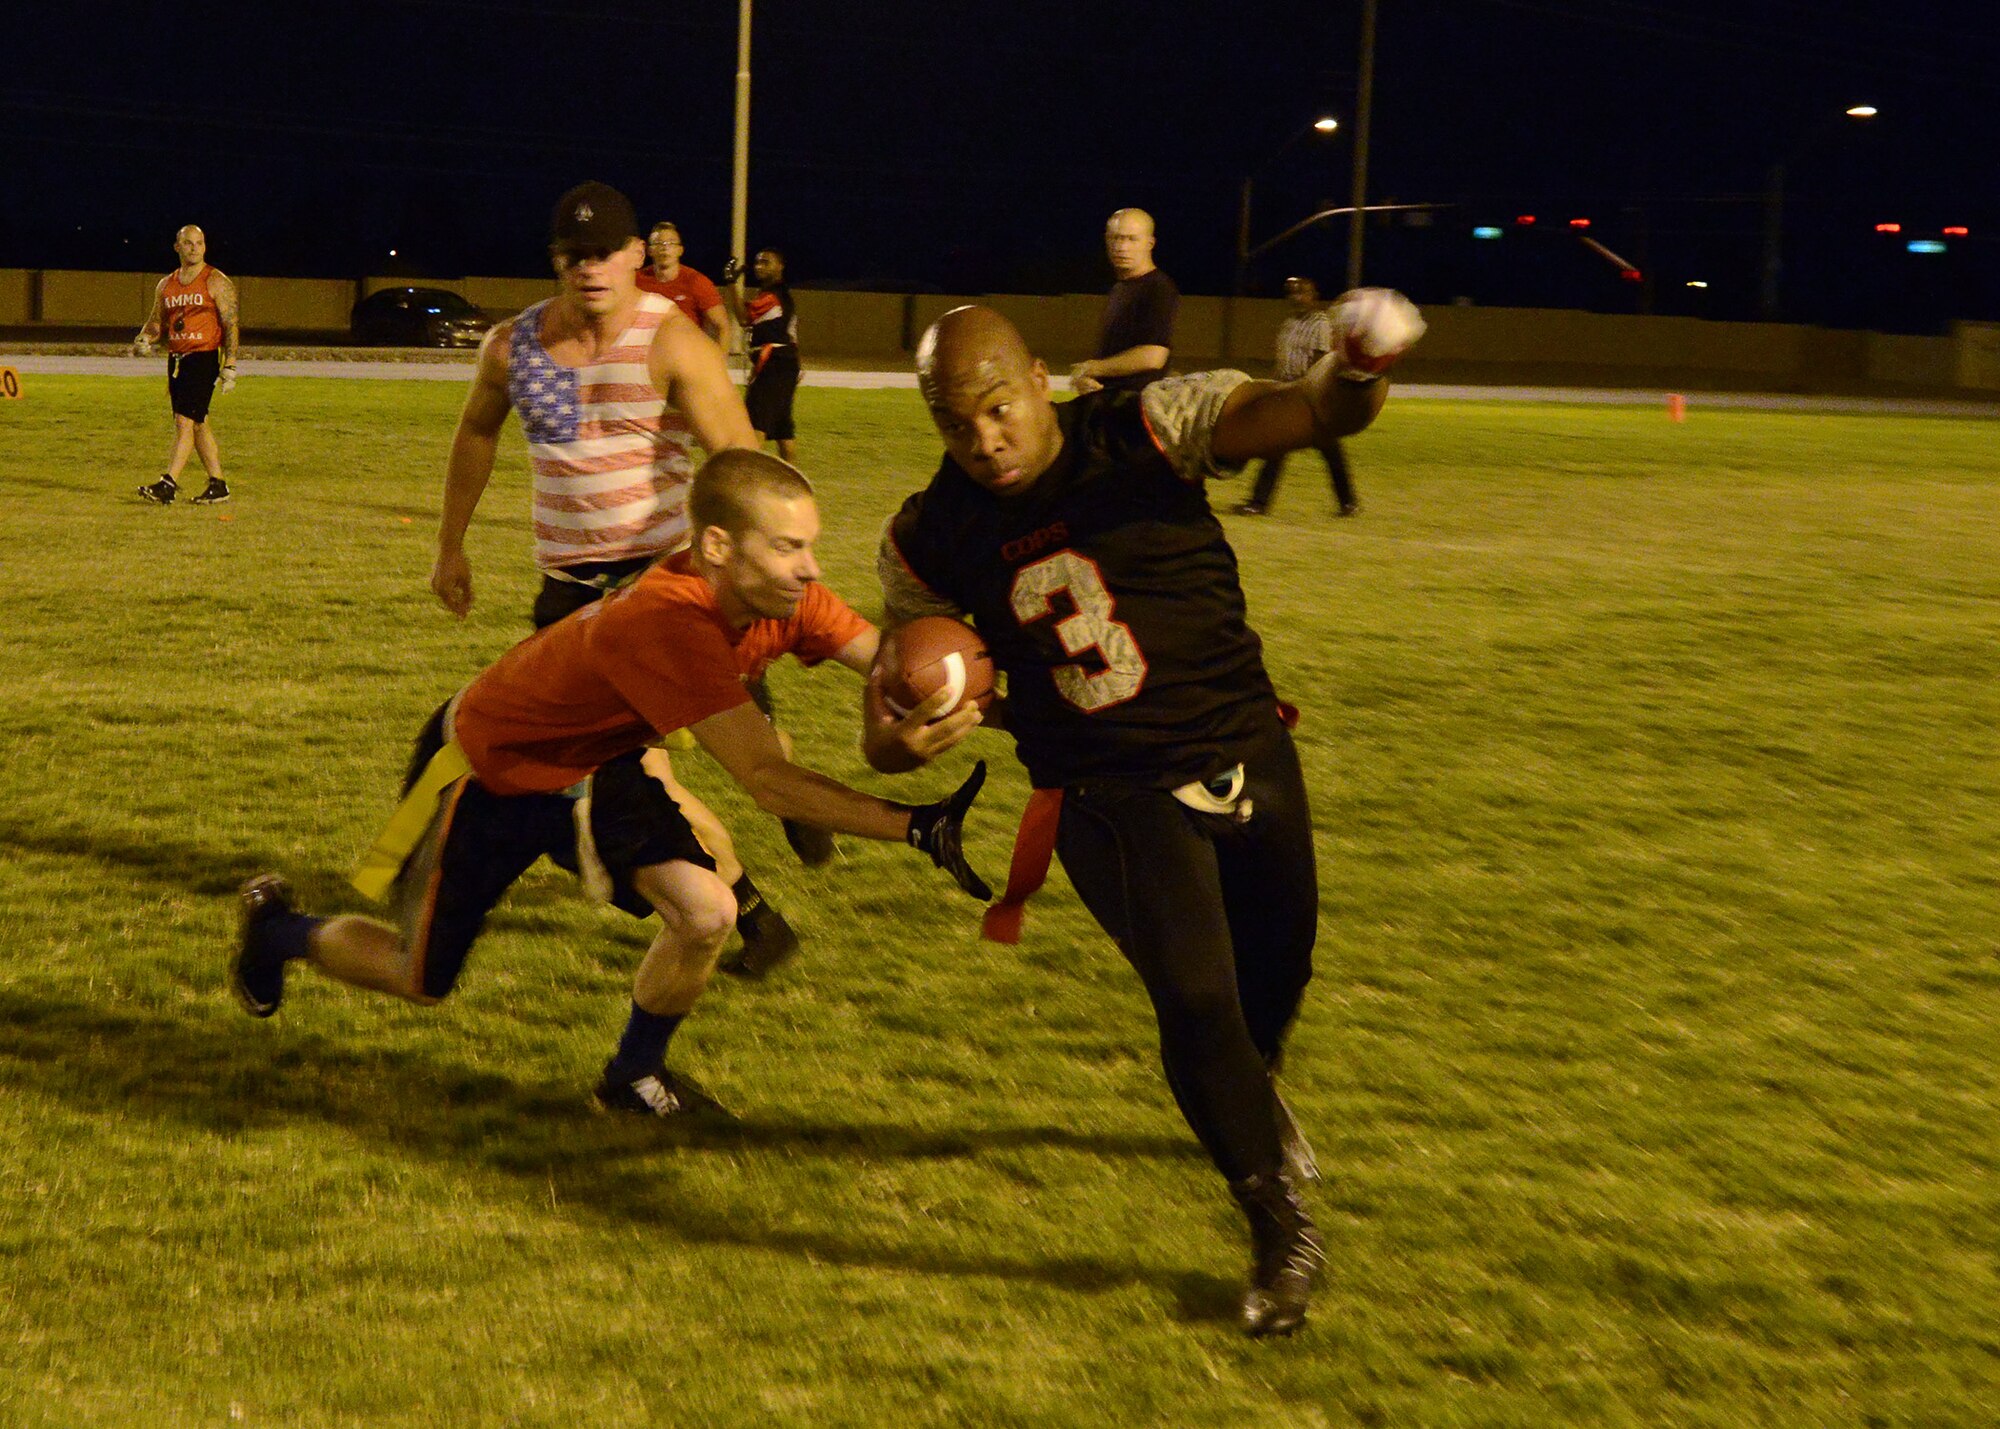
(142, 346)
(226, 383)
(1372, 327)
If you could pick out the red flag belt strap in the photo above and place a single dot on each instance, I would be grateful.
(1034, 845)
(1034, 842)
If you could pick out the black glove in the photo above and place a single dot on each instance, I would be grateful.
(732, 270)
(937, 829)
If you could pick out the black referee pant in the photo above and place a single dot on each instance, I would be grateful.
(1265, 491)
(1218, 916)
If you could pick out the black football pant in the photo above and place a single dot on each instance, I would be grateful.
(1218, 916)
(1266, 489)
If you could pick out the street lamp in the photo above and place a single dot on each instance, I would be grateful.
(1774, 207)
(1325, 126)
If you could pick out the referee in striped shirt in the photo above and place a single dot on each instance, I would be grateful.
(1303, 338)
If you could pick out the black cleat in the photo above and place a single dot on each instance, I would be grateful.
(768, 940)
(1350, 508)
(660, 1093)
(257, 973)
(161, 492)
(217, 490)
(1289, 1255)
(813, 844)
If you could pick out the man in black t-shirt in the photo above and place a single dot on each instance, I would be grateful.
(1080, 542)
(1136, 338)
(774, 354)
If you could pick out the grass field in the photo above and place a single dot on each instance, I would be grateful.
(1651, 1057)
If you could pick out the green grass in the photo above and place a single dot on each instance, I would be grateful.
(1651, 1055)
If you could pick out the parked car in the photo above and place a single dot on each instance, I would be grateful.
(417, 317)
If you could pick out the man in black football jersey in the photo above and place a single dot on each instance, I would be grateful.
(774, 354)
(1079, 539)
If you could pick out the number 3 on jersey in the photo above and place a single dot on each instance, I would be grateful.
(1090, 628)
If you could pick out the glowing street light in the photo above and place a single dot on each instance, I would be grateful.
(1774, 204)
(1326, 124)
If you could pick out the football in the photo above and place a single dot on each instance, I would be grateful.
(932, 653)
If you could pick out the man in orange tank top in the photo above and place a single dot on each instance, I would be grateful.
(527, 760)
(195, 308)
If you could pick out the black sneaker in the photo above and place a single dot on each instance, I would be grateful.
(768, 940)
(257, 973)
(1288, 1255)
(1249, 508)
(813, 844)
(660, 1092)
(216, 490)
(161, 492)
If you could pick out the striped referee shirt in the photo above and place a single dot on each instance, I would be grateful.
(1302, 340)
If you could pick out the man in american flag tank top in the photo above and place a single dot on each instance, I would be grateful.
(614, 386)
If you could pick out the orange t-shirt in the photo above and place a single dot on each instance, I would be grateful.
(189, 314)
(652, 658)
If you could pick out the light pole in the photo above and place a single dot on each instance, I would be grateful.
(1364, 109)
(1768, 305)
(1326, 126)
(739, 189)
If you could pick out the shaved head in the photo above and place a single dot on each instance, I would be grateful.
(969, 346)
(989, 397)
(190, 245)
(1131, 220)
(1128, 242)
(726, 489)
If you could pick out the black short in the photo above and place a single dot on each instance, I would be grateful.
(769, 397)
(588, 584)
(191, 382)
(480, 842)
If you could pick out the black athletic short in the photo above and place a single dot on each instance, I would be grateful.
(191, 382)
(769, 398)
(587, 584)
(480, 842)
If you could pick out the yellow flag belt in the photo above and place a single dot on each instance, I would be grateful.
(405, 830)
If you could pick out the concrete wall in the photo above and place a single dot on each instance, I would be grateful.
(295, 304)
(1463, 345)
(853, 325)
(97, 299)
(17, 296)
(503, 297)
(1978, 356)
(1912, 361)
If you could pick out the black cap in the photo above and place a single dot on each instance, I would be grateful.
(594, 215)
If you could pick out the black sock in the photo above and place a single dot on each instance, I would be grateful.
(644, 1045)
(749, 902)
(290, 933)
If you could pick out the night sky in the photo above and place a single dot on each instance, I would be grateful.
(977, 148)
